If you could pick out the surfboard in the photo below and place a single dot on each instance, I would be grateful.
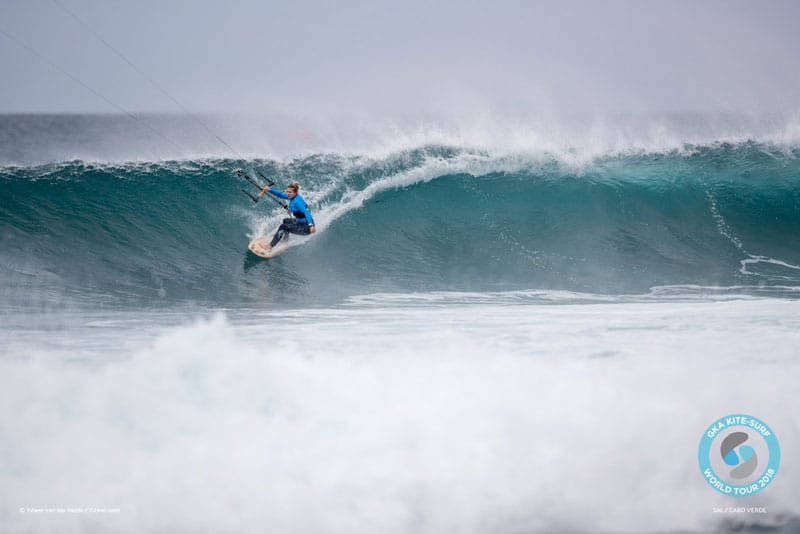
(258, 246)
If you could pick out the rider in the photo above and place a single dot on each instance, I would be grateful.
(301, 222)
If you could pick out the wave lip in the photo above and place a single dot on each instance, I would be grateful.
(576, 139)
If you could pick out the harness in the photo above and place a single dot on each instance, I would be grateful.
(297, 214)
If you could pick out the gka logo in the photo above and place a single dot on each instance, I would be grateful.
(744, 458)
(739, 455)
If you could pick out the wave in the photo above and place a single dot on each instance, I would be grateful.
(431, 219)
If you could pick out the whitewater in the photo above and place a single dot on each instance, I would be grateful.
(505, 336)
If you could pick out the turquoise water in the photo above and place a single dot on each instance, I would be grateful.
(430, 219)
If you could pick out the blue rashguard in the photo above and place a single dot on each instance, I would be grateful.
(297, 206)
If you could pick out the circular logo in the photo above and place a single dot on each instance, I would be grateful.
(739, 455)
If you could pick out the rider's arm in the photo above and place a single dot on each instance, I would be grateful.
(306, 213)
(279, 194)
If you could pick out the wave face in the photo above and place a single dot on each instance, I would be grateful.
(434, 218)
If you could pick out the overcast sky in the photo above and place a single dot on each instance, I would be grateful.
(403, 57)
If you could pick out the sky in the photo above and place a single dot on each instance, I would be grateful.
(400, 58)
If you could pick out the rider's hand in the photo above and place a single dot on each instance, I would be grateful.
(312, 229)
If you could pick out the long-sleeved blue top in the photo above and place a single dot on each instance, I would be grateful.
(297, 206)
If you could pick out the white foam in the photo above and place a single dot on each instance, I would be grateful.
(753, 260)
(471, 419)
(572, 139)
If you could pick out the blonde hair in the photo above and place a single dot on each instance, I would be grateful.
(295, 186)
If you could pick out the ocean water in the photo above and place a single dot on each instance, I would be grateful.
(504, 336)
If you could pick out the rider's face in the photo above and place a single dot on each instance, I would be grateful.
(291, 193)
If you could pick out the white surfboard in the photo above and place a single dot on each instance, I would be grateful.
(258, 246)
